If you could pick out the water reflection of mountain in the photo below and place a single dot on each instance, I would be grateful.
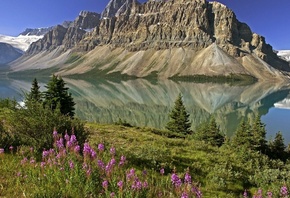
(142, 103)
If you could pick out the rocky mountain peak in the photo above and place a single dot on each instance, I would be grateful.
(117, 7)
(35, 31)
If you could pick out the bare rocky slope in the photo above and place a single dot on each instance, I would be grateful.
(162, 38)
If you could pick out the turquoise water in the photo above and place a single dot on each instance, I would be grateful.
(144, 103)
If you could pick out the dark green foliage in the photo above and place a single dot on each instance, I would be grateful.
(8, 103)
(57, 96)
(277, 147)
(33, 125)
(243, 135)
(210, 133)
(179, 118)
(34, 95)
(259, 135)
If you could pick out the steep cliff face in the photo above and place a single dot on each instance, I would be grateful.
(66, 35)
(192, 37)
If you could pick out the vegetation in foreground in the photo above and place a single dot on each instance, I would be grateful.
(117, 161)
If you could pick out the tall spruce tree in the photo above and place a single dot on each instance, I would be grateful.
(277, 147)
(34, 95)
(179, 118)
(242, 136)
(58, 97)
(210, 133)
(259, 135)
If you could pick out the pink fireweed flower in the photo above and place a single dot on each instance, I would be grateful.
(269, 194)
(89, 172)
(54, 134)
(122, 160)
(87, 149)
(131, 174)
(176, 181)
(198, 193)
(101, 147)
(112, 194)
(187, 178)
(112, 151)
(120, 184)
(1, 150)
(136, 185)
(69, 144)
(66, 137)
(105, 184)
(93, 154)
(59, 143)
(45, 154)
(32, 161)
(162, 171)
(11, 148)
(42, 164)
(73, 139)
(101, 164)
(284, 191)
(24, 160)
(145, 184)
(71, 164)
(77, 149)
(184, 195)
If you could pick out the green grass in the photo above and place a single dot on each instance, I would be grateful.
(220, 171)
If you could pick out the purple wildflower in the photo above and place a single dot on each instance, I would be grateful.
(176, 181)
(1, 150)
(69, 144)
(184, 195)
(77, 149)
(112, 194)
(101, 147)
(136, 185)
(71, 164)
(93, 154)
(54, 134)
(187, 178)
(196, 192)
(24, 160)
(269, 194)
(87, 149)
(284, 191)
(112, 151)
(45, 154)
(131, 174)
(89, 172)
(101, 164)
(122, 160)
(73, 139)
(66, 137)
(32, 161)
(59, 143)
(162, 171)
(105, 184)
(120, 184)
(11, 148)
(42, 164)
(145, 184)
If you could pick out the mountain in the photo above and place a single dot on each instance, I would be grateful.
(35, 31)
(8, 53)
(285, 54)
(174, 38)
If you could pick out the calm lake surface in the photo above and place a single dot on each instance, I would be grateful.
(144, 103)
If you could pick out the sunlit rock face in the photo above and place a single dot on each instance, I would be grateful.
(165, 38)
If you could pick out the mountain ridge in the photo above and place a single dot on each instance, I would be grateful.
(187, 28)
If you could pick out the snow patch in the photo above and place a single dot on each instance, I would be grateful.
(21, 42)
(285, 54)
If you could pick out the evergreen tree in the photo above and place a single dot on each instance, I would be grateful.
(259, 135)
(277, 147)
(242, 136)
(210, 133)
(58, 97)
(34, 95)
(179, 118)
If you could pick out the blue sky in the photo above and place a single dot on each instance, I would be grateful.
(268, 18)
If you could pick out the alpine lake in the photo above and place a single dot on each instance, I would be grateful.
(147, 103)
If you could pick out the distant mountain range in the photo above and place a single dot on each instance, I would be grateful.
(158, 38)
